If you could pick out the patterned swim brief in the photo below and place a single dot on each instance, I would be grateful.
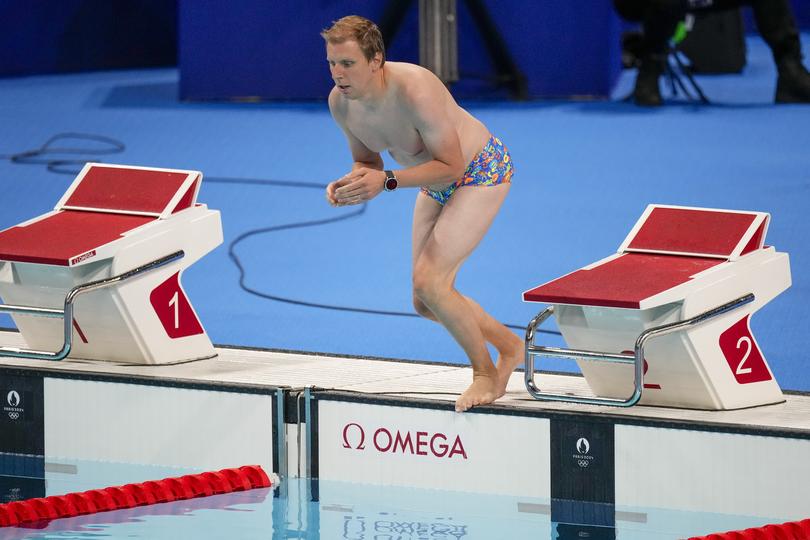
(490, 167)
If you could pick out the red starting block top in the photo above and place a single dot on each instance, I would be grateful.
(61, 237)
(131, 190)
(697, 231)
(667, 247)
(102, 204)
(621, 282)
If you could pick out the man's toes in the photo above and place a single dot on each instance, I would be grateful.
(461, 404)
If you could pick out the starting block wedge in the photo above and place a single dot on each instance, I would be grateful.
(665, 320)
(99, 276)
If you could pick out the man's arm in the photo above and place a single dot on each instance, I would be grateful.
(428, 111)
(361, 154)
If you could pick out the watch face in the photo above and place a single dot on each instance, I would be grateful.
(390, 184)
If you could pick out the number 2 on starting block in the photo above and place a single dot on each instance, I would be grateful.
(174, 310)
(742, 354)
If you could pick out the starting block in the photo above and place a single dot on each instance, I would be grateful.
(120, 237)
(686, 280)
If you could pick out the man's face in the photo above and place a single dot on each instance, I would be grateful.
(349, 67)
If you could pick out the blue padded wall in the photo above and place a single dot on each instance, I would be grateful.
(45, 36)
(565, 47)
(273, 50)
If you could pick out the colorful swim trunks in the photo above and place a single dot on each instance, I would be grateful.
(490, 167)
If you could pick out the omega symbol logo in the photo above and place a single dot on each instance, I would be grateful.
(361, 435)
(13, 398)
(583, 446)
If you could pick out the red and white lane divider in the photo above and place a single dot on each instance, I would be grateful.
(793, 530)
(132, 495)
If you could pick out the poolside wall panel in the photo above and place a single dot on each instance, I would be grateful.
(477, 453)
(182, 427)
(713, 472)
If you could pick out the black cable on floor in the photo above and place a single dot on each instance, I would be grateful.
(40, 156)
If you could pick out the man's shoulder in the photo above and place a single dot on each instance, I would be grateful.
(413, 82)
(405, 72)
(337, 103)
(334, 96)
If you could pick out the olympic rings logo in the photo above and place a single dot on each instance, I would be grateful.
(583, 463)
(14, 415)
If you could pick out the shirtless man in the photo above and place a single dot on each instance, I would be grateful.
(463, 173)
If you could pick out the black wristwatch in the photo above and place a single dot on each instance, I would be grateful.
(390, 183)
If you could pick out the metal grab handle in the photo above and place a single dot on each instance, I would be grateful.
(67, 312)
(636, 358)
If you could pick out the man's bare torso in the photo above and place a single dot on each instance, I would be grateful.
(388, 124)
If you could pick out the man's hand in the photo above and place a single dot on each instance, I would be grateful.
(357, 187)
(333, 186)
(330, 192)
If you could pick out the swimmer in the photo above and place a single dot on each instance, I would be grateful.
(463, 173)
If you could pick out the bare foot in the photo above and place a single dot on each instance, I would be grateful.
(507, 362)
(482, 391)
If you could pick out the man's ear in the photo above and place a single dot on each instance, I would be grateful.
(376, 62)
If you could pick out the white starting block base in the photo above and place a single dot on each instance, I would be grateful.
(677, 266)
(112, 221)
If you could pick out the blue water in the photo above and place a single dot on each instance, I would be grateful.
(341, 511)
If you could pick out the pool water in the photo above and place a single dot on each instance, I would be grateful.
(341, 511)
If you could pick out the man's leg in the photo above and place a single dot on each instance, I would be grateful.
(508, 344)
(439, 253)
(425, 214)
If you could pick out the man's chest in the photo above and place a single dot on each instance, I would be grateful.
(386, 131)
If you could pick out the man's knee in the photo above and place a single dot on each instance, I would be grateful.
(421, 309)
(423, 287)
(427, 287)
